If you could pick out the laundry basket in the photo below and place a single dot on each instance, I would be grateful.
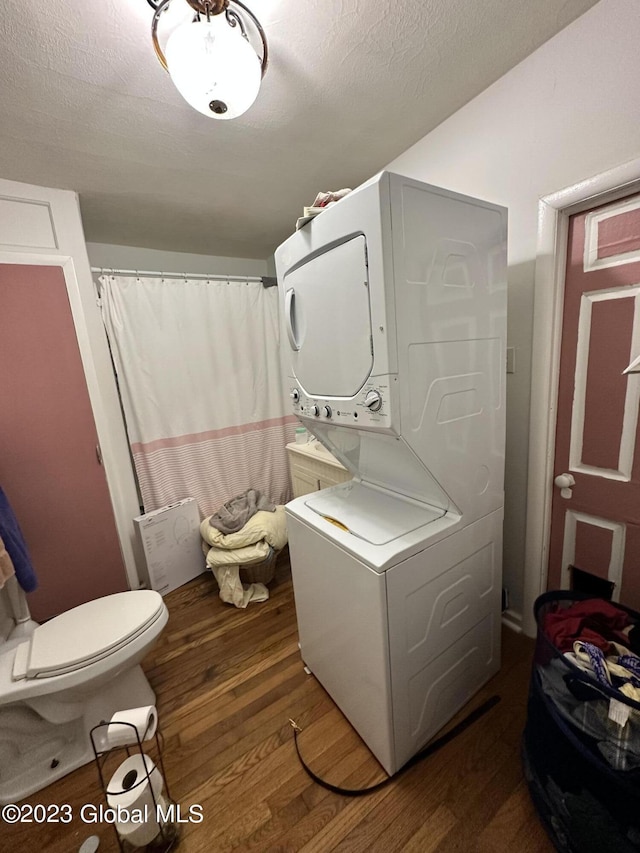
(582, 767)
(262, 571)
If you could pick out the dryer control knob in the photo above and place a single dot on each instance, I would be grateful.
(314, 410)
(295, 395)
(373, 401)
(326, 411)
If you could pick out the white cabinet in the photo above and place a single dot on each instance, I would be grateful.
(314, 468)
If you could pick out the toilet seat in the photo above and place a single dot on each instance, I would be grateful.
(86, 634)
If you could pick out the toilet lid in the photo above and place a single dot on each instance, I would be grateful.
(90, 631)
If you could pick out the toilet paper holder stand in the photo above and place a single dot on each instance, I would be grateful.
(168, 835)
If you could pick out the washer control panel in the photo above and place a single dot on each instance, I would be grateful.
(370, 408)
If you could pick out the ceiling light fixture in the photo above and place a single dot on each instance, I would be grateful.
(210, 58)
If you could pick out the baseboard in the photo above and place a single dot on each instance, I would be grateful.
(513, 620)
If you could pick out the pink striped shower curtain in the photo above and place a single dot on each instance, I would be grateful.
(199, 374)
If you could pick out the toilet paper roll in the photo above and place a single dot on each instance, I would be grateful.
(132, 784)
(141, 834)
(116, 733)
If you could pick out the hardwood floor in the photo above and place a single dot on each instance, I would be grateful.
(227, 682)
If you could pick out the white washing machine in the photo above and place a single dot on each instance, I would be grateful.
(394, 309)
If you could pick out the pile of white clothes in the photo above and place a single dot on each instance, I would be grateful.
(246, 530)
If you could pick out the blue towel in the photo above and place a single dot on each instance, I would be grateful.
(16, 546)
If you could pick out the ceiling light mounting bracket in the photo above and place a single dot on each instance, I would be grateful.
(211, 8)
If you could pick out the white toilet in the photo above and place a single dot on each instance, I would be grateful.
(65, 677)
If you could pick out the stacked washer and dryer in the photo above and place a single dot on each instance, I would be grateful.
(394, 312)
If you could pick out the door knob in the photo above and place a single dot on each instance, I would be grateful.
(565, 482)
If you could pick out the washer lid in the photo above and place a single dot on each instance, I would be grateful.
(90, 631)
(375, 515)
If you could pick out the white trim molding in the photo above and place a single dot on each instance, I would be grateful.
(591, 226)
(632, 397)
(553, 216)
(513, 620)
(618, 537)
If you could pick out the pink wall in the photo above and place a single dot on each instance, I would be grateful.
(48, 464)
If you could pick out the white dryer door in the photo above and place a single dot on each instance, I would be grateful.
(328, 321)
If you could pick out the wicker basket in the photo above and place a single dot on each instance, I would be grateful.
(261, 572)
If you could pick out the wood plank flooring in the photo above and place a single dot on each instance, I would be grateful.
(227, 682)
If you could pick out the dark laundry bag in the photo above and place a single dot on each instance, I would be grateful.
(582, 768)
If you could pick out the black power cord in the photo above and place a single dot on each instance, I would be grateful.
(432, 747)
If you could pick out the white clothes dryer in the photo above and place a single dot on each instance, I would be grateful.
(394, 306)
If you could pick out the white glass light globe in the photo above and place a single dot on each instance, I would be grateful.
(214, 67)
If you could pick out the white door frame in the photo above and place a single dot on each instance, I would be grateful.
(553, 216)
(42, 226)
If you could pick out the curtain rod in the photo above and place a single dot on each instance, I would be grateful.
(267, 281)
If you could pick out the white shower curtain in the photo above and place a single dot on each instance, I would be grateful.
(198, 368)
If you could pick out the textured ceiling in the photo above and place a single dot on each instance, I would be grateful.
(85, 105)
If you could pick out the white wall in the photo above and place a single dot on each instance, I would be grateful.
(157, 260)
(568, 112)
